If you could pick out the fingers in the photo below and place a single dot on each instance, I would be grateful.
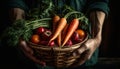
(29, 53)
(83, 58)
(83, 53)
(89, 44)
(80, 50)
(24, 47)
(33, 58)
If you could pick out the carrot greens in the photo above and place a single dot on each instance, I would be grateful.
(40, 17)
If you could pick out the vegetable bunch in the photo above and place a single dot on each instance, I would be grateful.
(21, 29)
(72, 26)
(62, 25)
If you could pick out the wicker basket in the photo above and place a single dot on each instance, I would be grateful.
(56, 56)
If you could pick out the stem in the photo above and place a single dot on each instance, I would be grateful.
(38, 20)
(67, 8)
(48, 9)
(68, 14)
(36, 23)
(80, 18)
(40, 24)
(41, 20)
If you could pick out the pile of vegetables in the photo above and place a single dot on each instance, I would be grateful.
(48, 28)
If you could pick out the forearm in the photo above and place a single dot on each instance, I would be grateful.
(97, 19)
(16, 13)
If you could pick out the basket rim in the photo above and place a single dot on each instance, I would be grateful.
(64, 48)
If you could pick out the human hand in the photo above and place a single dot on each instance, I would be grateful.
(86, 51)
(30, 53)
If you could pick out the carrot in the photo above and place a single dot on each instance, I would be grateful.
(64, 32)
(56, 18)
(59, 39)
(72, 27)
(61, 25)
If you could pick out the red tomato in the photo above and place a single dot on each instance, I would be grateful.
(35, 38)
(40, 30)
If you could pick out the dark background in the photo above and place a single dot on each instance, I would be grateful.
(109, 48)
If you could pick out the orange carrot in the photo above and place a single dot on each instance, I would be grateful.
(56, 18)
(64, 32)
(59, 39)
(61, 24)
(72, 27)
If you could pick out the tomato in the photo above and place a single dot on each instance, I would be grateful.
(35, 38)
(81, 33)
(40, 30)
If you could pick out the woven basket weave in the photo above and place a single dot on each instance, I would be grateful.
(56, 56)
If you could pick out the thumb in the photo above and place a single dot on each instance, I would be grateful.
(80, 50)
(25, 47)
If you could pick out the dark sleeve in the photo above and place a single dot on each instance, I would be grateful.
(101, 5)
(17, 4)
